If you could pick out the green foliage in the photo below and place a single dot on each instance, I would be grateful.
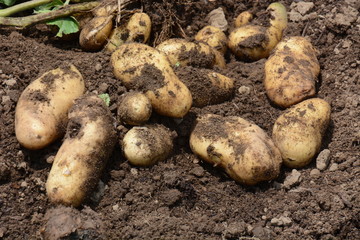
(106, 98)
(8, 2)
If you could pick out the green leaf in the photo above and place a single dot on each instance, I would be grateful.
(48, 7)
(66, 25)
(8, 2)
(106, 98)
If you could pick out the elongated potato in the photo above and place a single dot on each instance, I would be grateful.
(146, 69)
(41, 111)
(291, 72)
(89, 141)
(253, 42)
(241, 148)
(206, 86)
(214, 37)
(95, 33)
(299, 130)
(144, 146)
(134, 108)
(184, 53)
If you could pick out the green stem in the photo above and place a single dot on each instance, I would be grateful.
(23, 22)
(22, 7)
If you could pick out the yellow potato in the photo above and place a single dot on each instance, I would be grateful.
(214, 37)
(243, 19)
(299, 130)
(291, 72)
(89, 141)
(95, 33)
(238, 146)
(146, 69)
(41, 111)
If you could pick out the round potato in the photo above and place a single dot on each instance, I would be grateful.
(299, 130)
(243, 19)
(134, 108)
(95, 33)
(89, 141)
(214, 37)
(41, 111)
(241, 148)
(291, 72)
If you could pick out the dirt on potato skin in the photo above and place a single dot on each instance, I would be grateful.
(183, 198)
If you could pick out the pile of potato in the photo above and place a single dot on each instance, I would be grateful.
(170, 79)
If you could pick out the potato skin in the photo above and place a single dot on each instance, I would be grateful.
(134, 108)
(214, 37)
(144, 146)
(146, 69)
(241, 148)
(89, 141)
(243, 19)
(95, 33)
(291, 72)
(299, 130)
(41, 111)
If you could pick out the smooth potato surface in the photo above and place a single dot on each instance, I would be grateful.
(214, 37)
(95, 33)
(134, 108)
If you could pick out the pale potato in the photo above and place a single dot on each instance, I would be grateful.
(243, 19)
(95, 33)
(214, 37)
(134, 108)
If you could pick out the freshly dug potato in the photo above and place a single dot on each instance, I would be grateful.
(41, 111)
(206, 86)
(253, 42)
(238, 146)
(134, 108)
(214, 37)
(89, 141)
(147, 145)
(299, 130)
(291, 72)
(184, 53)
(146, 69)
(137, 29)
(105, 9)
(95, 33)
(243, 19)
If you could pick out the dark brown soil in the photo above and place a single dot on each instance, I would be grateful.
(182, 197)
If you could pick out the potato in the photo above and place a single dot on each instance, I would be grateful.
(206, 86)
(41, 111)
(95, 33)
(184, 53)
(243, 19)
(291, 72)
(238, 146)
(299, 130)
(146, 69)
(147, 145)
(137, 29)
(105, 9)
(89, 141)
(214, 37)
(134, 108)
(253, 42)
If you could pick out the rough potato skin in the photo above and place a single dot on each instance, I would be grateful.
(134, 108)
(89, 141)
(41, 111)
(299, 130)
(241, 148)
(291, 72)
(214, 37)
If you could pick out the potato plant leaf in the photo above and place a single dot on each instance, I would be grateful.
(8, 2)
(106, 98)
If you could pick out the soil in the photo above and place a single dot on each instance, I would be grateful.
(183, 197)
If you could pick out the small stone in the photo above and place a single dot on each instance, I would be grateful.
(281, 221)
(50, 159)
(24, 184)
(262, 233)
(244, 90)
(334, 167)
(103, 87)
(134, 171)
(236, 228)
(98, 67)
(5, 99)
(217, 19)
(22, 165)
(323, 159)
(10, 82)
(314, 172)
(293, 179)
(304, 7)
(295, 16)
(197, 171)
(115, 207)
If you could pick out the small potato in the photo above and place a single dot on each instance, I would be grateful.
(146, 69)
(299, 130)
(214, 37)
(291, 72)
(243, 19)
(95, 33)
(238, 146)
(207, 87)
(41, 111)
(89, 141)
(255, 41)
(184, 53)
(134, 108)
(147, 145)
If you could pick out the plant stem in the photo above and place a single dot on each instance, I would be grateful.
(23, 22)
(22, 7)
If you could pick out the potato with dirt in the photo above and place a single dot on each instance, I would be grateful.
(255, 41)
(291, 72)
(241, 148)
(89, 142)
(206, 86)
(298, 132)
(41, 111)
(146, 69)
(214, 37)
(243, 19)
(134, 108)
(146, 145)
